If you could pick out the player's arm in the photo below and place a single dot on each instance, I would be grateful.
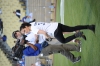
(38, 31)
(32, 46)
(44, 33)
(29, 44)
(37, 38)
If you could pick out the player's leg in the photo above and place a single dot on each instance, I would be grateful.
(77, 41)
(72, 47)
(71, 57)
(65, 28)
(59, 36)
(56, 42)
(51, 49)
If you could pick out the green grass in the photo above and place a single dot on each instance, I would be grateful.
(82, 12)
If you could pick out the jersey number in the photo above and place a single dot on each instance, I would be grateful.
(39, 24)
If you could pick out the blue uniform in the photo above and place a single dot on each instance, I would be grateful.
(28, 51)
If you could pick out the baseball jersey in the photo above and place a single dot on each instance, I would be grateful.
(31, 38)
(48, 27)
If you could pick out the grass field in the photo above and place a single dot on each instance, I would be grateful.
(82, 12)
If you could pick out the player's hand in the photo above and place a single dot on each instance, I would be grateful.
(48, 39)
(32, 46)
(35, 48)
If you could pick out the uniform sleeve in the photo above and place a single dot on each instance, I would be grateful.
(29, 40)
(34, 30)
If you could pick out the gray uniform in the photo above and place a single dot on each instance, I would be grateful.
(64, 49)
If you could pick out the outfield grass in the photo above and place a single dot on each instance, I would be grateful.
(82, 12)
